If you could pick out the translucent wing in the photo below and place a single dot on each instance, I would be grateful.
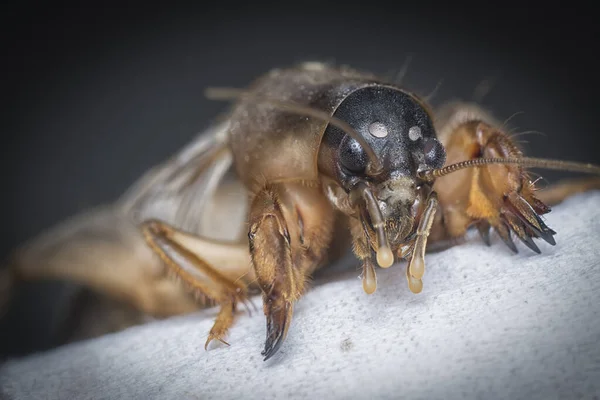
(103, 248)
(194, 191)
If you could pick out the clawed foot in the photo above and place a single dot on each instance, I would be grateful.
(278, 322)
(225, 319)
(522, 218)
(216, 336)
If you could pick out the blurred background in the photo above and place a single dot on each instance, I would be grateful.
(93, 97)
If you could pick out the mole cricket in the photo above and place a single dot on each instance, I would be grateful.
(307, 157)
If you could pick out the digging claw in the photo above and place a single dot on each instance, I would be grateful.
(528, 241)
(484, 231)
(504, 233)
(524, 221)
(548, 236)
(545, 233)
(278, 322)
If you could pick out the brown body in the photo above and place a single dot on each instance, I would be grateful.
(254, 203)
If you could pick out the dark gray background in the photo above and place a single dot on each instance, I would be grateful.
(94, 97)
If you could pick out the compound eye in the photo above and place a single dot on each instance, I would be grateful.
(353, 156)
(435, 154)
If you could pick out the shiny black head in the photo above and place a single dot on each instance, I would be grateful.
(394, 124)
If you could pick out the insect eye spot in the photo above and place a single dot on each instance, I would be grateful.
(414, 134)
(378, 130)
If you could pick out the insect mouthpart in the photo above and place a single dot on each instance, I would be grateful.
(397, 196)
(362, 196)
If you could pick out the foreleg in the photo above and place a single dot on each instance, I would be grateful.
(499, 197)
(290, 230)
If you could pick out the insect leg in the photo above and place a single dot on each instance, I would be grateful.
(193, 260)
(290, 230)
(499, 197)
(103, 250)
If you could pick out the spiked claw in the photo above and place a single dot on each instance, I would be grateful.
(484, 231)
(546, 233)
(530, 218)
(528, 241)
(522, 230)
(523, 210)
(539, 206)
(278, 323)
(547, 236)
(524, 220)
(222, 324)
(504, 234)
(211, 338)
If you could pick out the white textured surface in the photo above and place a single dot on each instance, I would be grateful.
(488, 324)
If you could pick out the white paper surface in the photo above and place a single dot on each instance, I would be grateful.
(488, 324)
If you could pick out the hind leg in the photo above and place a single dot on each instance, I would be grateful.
(104, 251)
(215, 272)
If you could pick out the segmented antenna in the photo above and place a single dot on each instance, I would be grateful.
(234, 94)
(572, 166)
